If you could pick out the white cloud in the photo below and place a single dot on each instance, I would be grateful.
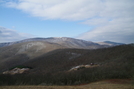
(118, 30)
(59, 9)
(8, 35)
(113, 19)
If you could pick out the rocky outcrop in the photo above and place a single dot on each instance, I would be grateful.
(16, 71)
(84, 66)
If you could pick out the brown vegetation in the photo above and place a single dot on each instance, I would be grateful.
(95, 85)
(51, 68)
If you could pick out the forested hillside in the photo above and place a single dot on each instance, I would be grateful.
(53, 68)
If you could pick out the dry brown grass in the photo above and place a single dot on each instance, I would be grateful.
(96, 85)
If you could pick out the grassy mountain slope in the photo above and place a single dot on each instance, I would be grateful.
(19, 53)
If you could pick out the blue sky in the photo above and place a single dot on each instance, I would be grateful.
(93, 20)
(17, 20)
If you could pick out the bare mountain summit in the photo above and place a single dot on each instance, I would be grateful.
(64, 41)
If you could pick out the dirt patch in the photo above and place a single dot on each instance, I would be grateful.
(119, 81)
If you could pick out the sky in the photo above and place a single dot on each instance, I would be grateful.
(91, 20)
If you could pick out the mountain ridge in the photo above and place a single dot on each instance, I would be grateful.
(110, 43)
(62, 40)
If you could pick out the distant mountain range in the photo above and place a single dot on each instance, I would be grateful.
(19, 52)
(67, 42)
(109, 43)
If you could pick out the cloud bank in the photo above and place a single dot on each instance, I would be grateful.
(112, 19)
(8, 35)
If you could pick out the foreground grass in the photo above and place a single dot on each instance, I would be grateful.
(96, 85)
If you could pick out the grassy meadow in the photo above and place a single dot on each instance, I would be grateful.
(109, 84)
